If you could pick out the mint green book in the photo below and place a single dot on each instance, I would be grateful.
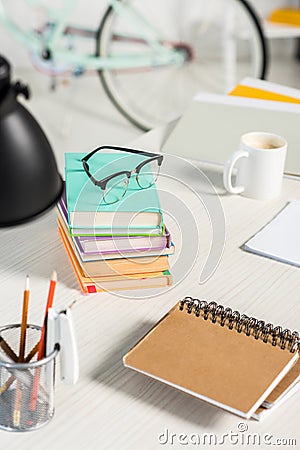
(138, 212)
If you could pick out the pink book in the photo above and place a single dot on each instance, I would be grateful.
(89, 246)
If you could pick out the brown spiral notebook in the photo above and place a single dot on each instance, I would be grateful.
(236, 362)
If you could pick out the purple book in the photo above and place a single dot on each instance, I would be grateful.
(93, 245)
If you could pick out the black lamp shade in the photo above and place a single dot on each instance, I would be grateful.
(29, 179)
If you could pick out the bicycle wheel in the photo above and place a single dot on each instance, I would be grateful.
(221, 40)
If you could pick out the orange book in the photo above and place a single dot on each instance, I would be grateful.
(90, 285)
(119, 266)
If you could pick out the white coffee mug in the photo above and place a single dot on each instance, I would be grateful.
(260, 169)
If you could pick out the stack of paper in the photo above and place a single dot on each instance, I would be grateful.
(124, 245)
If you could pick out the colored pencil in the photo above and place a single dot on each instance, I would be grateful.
(18, 394)
(53, 282)
(41, 350)
(24, 321)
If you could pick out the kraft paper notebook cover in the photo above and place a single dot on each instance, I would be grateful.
(211, 127)
(291, 382)
(222, 365)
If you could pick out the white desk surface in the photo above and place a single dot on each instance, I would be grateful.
(112, 407)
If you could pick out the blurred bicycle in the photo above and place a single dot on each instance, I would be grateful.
(152, 56)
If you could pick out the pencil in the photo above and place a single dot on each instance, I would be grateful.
(53, 282)
(41, 350)
(18, 394)
(8, 350)
(32, 352)
(12, 378)
(24, 321)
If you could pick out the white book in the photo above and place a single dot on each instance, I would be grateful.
(210, 129)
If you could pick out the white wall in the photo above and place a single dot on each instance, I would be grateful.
(264, 7)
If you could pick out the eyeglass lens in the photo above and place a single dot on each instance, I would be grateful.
(148, 174)
(115, 189)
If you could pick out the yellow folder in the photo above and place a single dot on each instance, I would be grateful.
(287, 16)
(252, 88)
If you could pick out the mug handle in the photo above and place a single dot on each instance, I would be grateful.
(228, 172)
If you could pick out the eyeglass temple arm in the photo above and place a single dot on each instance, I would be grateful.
(122, 149)
(87, 170)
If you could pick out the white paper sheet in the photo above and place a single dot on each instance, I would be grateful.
(280, 239)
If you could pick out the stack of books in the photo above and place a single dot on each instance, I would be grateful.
(118, 246)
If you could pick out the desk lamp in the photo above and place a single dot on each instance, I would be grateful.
(29, 180)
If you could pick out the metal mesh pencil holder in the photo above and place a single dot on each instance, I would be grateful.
(27, 388)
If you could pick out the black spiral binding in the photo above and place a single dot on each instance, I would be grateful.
(267, 332)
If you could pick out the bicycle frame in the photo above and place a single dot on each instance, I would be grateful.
(161, 55)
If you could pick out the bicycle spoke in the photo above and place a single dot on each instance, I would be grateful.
(195, 29)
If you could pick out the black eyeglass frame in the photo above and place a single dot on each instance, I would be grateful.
(103, 182)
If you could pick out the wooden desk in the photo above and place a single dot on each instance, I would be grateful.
(112, 407)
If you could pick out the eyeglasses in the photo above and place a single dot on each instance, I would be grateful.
(115, 186)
